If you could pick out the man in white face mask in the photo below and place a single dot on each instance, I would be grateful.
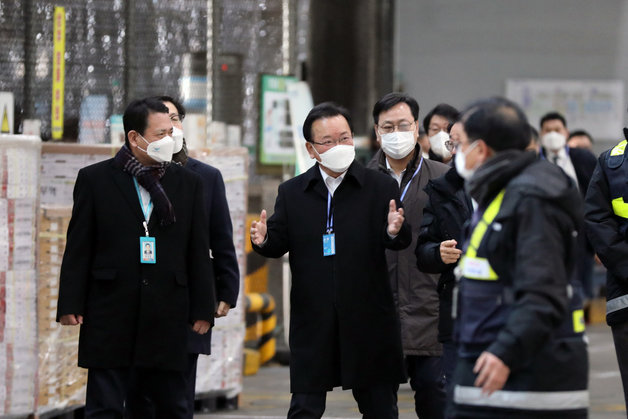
(135, 308)
(395, 122)
(436, 124)
(225, 264)
(579, 165)
(336, 220)
(518, 311)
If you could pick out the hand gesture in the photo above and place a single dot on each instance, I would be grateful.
(71, 319)
(492, 373)
(448, 252)
(395, 218)
(258, 229)
(201, 326)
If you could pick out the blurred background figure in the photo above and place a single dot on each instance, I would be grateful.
(439, 245)
(580, 139)
(578, 164)
(435, 124)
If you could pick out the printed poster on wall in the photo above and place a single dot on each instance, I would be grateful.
(596, 106)
(276, 143)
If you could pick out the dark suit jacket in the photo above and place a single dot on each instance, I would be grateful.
(225, 262)
(344, 329)
(135, 314)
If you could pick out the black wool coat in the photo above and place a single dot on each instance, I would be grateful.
(343, 326)
(135, 314)
(225, 261)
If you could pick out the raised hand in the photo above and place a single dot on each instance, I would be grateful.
(258, 229)
(395, 218)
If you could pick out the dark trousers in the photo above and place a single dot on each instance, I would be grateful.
(107, 392)
(376, 402)
(428, 382)
(139, 404)
(620, 338)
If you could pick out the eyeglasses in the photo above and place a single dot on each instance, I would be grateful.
(329, 143)
(177, 117)
(388, 128)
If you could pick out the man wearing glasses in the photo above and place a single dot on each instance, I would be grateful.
(336, 220)
(395, 122)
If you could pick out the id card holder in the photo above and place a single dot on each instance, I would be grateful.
(148, 251)
(329, 244)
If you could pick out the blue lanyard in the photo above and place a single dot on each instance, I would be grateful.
(145, 210)
(408, 184)
(330, 215)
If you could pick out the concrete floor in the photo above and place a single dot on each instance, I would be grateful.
(266, 394)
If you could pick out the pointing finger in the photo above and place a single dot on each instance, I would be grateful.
(392, 206)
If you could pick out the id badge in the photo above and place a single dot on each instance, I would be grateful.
(329, 244)
(148, 251)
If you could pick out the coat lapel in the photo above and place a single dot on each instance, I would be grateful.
(124, 182)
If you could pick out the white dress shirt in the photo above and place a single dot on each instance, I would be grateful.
(562, 160)
(331, 182)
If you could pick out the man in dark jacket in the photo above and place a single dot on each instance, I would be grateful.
(439, 245)
(225, 262)
(606, 217)
(395, 123)
(578, 164)
(519, 323)
(336, 220)
(135, 313)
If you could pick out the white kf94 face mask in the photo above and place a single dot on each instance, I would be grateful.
(338, 158)
(438, 145)
(177, 136)
(160, 150)
(398, 144)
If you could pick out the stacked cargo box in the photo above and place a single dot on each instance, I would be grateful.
(19, 181)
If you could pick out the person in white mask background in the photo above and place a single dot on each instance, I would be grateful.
(336, 220)
(436, 124)
(224, 262)
(134, 308)
(439, 245)
(579, 165)
(395, 119)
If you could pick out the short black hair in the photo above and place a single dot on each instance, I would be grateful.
(580, 133)
(391, 99)
(550, 116)
(324, 110)
(135, 116)
(444, 110)
(499, 122)
(534, 134)
(177, 104)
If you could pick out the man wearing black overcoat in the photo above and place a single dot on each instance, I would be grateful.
(135, 315)
(336, 220)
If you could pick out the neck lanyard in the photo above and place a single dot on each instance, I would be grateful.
(145, 209)
(330, 215)
(410, 181)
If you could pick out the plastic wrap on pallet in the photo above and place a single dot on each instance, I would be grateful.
(221, 372)
(61, 383)
(19, 180)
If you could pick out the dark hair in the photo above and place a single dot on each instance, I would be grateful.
(175, 102)
(135, 116)
(444, 110)
(499, 122)
(324, 110)
(391, 99)
(534, 134)
(551, 116)
(580, 133)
